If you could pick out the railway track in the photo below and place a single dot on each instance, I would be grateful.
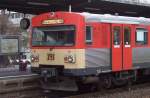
(20, 86)
(28, 86)
(135, 91)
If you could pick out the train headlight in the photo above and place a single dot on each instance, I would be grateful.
(35, 58)
(69, 59)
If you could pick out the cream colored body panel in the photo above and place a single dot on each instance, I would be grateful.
(60, 54)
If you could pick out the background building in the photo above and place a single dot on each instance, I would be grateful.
(10, 24)
(15, 17)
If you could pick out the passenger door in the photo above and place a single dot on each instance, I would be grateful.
(121, 47)
(127, 47)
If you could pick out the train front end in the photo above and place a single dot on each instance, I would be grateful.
(57, 44)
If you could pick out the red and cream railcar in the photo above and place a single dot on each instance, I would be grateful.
(90, 46)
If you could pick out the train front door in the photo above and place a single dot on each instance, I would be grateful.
(121, 47)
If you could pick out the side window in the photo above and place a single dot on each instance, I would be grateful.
(89, 35)
(116, 32)
(141, 36)
(127, 35)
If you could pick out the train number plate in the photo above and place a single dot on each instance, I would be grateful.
(51, 57)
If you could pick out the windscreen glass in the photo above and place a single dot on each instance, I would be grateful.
(53, 36)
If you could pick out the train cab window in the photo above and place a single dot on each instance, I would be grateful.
(127, 35)
(116, 33)
(141, 36)
(54, 36)
(88, 35)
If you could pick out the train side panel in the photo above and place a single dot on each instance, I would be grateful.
(141, 49)
(98, 54)
(141, 57)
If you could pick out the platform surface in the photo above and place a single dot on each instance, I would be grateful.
(14, 72)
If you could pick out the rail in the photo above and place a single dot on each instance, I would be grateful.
(135, 91)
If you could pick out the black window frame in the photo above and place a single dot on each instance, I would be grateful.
(145, 42)
(89, 42)
(54, 28)
(127, 38)
(116, 39)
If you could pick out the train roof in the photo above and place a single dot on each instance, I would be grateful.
(107, 18)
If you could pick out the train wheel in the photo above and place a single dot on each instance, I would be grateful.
(106, 82)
